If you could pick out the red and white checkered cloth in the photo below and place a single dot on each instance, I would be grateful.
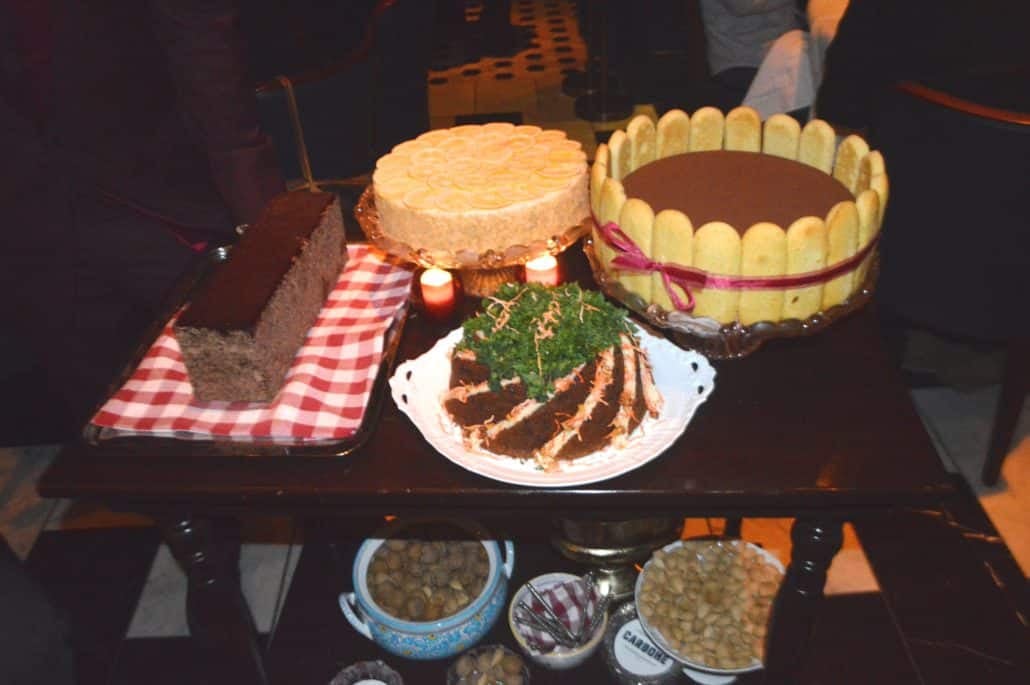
(326, 389)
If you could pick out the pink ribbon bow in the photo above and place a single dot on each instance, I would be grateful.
(631, 258)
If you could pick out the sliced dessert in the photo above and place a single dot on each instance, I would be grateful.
(549, 374)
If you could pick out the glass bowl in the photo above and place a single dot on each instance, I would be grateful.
(710, 577)
(499, 664)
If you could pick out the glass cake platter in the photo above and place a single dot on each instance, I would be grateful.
(729, 341)
(684, 378)
(480, 273)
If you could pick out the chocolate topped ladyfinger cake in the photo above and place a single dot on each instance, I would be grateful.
(549, 374)
(241, 331)
(778, 190)
(746, 205)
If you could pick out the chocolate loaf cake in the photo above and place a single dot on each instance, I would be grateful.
(549, 375)
(241, 331)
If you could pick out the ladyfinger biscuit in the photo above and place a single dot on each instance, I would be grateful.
(673, 133)
(763, 252)
(806, 251)
(743, 130)
(881, 185)
(841, 243)
(850, 153)
(637, 221)
(673, 243)
(619, 153)
(706, 130)
(641, 134)
(871, 165)
(601, 155)
(816, 145)
(781, 136)
(717, 251)
(598, 173)
(613, 196)
(868, 205)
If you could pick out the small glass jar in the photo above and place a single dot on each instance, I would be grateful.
(367, 673)
(630, 654)
(500, 665)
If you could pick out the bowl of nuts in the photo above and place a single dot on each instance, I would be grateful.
(488, 665)
(428, 589)
(707, 602)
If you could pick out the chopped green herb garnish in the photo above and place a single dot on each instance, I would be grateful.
(541, 334)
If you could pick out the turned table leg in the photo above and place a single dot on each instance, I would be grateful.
(814, 544)
(219, 618)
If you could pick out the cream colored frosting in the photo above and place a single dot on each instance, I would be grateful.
(483, 187)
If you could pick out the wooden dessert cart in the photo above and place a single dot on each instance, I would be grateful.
(819, 429)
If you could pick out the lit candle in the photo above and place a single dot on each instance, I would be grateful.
(542, 270)
(437, 292)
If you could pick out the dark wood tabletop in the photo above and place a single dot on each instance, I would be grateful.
(805, 424)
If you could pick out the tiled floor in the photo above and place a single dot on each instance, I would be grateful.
(527, 84)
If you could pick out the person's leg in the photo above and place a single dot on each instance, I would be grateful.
(81, 277)
(122, 266)
(36, 648)
(35, 278)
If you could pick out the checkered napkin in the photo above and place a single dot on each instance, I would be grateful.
(326, 389)
(572, 601)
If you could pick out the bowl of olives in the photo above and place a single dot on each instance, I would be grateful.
(428, 588)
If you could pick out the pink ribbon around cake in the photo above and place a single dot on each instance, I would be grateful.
(631, 258)
(325, 392)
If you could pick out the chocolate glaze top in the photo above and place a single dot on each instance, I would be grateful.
(239, 289)
(740, 188)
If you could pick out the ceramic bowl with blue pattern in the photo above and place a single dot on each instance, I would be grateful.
(438, 639)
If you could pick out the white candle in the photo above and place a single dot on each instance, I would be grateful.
(542, 270)
(437, 292)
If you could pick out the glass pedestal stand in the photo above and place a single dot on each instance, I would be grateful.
(483, 282)
(480, 274)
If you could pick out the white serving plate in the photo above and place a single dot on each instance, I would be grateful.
(684, 378)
